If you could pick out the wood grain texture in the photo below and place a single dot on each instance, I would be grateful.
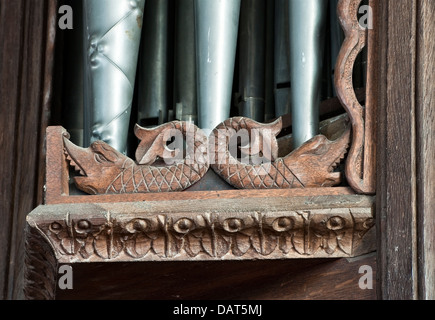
(396, 191)
(41, 268)
(425, 148)
(335, 279)
(25, 63)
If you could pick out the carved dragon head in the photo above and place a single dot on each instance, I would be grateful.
(314, 162)
(96, 165)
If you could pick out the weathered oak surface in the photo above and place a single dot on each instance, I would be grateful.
(335, 279)
(405, 186)
(361, 158)
(425, 148)
(227, 229)
(27, 30)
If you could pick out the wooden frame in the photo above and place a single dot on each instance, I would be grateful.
(405, 171)
(406, 175)
(204, 225)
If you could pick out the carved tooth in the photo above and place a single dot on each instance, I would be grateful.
(74, 164)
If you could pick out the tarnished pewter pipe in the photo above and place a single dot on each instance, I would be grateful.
(216, 25)
(282, 59)
(185, 63)
(112, 36)
(336, 38)
(154, 78)
(307, 26)
(252, 52)
(269, 108)
(72, 111)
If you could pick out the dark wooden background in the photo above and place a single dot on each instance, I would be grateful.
(406, 140)
(27, 30)
(405, 259)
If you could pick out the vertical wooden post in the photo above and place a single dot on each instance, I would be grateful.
(425, 148)
(27, 31)
(396, 208)
(405, 191)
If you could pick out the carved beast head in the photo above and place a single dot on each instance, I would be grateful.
(314, 162)
(98, 165)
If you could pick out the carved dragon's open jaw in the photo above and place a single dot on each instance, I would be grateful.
(72, 153)
(339, 148)
(74, 164)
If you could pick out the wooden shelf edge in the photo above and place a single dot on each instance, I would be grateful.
(208, 230)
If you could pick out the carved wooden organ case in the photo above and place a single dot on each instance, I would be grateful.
(137, 211)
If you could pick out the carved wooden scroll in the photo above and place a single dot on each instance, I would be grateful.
(360, 163)
(104, 170)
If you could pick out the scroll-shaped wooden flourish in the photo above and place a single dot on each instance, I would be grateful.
(104, 170)
(360, 160)
(311, 165)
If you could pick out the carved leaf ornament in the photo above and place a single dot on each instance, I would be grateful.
(207, 236)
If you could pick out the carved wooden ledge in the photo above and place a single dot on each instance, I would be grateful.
(197, 230)
(222, 229)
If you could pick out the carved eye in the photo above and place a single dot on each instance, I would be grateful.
(104, 153)
(100, 158)
(318, 146)
(321, 149)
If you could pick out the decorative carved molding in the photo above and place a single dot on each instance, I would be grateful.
(104, 170)
(136, 232)
(360, 160)
(311, 165)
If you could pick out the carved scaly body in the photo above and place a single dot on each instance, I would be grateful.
(104, 170)
(309, 166)
(142, 178)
